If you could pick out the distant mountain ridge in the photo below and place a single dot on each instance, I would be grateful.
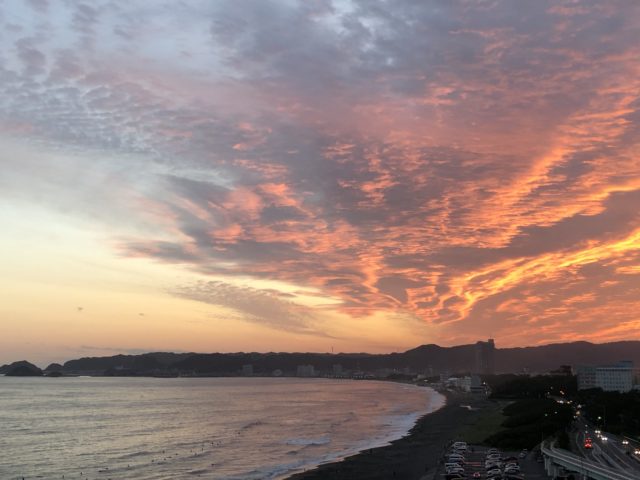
(430, 359)
(573, 353)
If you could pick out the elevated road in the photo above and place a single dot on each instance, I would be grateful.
(557, 461)
(611, 453)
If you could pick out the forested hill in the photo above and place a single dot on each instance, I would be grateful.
(431, 359)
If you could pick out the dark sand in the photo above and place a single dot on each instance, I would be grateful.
(413, 457)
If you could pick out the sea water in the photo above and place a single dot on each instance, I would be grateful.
(187, 428)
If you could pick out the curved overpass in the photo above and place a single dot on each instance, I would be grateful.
(557, 459)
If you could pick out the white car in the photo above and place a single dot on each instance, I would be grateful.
(456, 471)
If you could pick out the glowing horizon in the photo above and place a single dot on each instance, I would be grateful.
(307, 175)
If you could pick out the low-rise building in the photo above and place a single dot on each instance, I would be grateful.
(610, 378)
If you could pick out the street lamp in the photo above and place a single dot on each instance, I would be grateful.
(542, 431)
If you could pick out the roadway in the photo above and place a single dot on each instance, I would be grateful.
(611, 453)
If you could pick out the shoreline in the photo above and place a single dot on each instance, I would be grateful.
(413, 457)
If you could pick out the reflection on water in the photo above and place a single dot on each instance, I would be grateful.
(215, 428)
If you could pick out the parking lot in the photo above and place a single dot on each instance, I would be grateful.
(475, 459)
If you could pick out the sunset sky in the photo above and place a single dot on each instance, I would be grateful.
(362, 175)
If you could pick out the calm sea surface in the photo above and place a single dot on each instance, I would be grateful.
(214, 428)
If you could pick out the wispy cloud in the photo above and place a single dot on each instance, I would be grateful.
(270, 308)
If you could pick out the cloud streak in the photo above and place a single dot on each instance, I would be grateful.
(270, 308)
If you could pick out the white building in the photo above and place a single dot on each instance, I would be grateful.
(306, 371)
(610, 378)
(459, 383)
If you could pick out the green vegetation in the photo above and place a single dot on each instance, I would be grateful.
(529, 421)
(489, 421)
(522, 386)
(615, 412)
(527, 411)
(535, 414)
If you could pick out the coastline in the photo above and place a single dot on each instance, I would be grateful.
(412, 457)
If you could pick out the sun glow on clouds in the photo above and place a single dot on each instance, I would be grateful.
(419, 171)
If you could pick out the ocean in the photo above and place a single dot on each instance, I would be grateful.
(188, 428)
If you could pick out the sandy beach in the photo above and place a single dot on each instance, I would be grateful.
(414, 456)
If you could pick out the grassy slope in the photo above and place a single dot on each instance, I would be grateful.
(488, 422)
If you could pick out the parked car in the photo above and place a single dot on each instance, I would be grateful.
(456, 458)
(455, 470)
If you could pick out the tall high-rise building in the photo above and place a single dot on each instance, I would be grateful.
(485, 357)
